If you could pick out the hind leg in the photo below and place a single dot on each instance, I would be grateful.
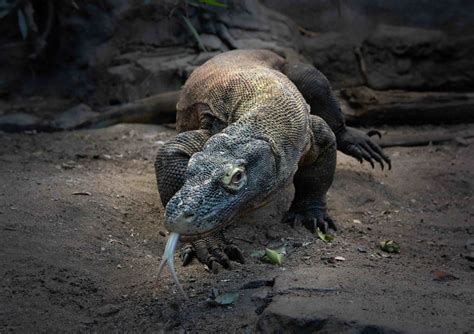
(313, 179)
(317, 91)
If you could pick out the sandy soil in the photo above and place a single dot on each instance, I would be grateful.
(81, 238)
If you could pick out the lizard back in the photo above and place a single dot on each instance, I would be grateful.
(249, 96)
(232, 84)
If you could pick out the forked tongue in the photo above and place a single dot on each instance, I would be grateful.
(169, 260)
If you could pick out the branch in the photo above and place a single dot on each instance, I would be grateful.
(157, 109)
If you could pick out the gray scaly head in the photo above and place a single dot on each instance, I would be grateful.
(231, 175)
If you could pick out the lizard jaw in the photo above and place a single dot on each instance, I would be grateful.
(197, 236)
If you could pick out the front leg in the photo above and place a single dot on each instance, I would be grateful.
(313, 179)
(172, 160)
(358, 144)
(214, 251)
(170, 166)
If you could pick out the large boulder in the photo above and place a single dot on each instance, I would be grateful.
(417, 59)
(334, 54)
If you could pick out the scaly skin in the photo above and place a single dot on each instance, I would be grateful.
(246, 130)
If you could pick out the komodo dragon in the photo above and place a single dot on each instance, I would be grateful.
(249, 123)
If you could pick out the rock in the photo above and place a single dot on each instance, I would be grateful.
(305, 302)
(74, 117)
(126, 73)
(261, 299)
(296, 314)
(212, 42)
(136, 75)
(19, 122)
(460, 141)
(418, 59)
(363, 105)
(333, 54)
(107, 310)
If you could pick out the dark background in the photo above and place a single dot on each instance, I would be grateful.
(111, 52)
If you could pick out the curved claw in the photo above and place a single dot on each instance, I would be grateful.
(331, 223)
(360, 146)
(366, 156)
(221, 257)
(380, 152)
(292, 218)
(313, 221)
(187, 254)
(213, 264)
(373, 154)
(371, 133)
(234, 253)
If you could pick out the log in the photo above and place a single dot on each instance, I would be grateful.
(156, 109)
(364, 106)
(361, 106)
(411, 140)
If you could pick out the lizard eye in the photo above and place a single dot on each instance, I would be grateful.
(237, 177)
(234, 178)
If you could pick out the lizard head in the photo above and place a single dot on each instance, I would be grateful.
(230, 176)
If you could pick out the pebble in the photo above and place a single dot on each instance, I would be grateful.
(107, 310)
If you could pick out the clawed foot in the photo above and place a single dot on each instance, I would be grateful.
(359, 145)
(317, 219)
(214, 251)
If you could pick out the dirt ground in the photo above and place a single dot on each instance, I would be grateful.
(81, 237)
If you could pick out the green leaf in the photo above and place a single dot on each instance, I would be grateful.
(22, 24)
(390, 246)
(273, 257)
(213, 3)
(258, 253)
(194, 33)
(324, 237)
(270, 255)
(225, 299)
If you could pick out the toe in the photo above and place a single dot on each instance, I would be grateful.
(213, 265)
(221, 257)
(234, 253)
(292, 218)
(311, 224)
(330, 223)
(187, 254)
(322, 225)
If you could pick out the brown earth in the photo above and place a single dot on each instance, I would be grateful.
(88, 262)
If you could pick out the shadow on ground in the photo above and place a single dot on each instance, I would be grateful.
(81, 238)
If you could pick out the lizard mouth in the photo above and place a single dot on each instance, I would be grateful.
(197, 236)
(224, 224)
(220, 226)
